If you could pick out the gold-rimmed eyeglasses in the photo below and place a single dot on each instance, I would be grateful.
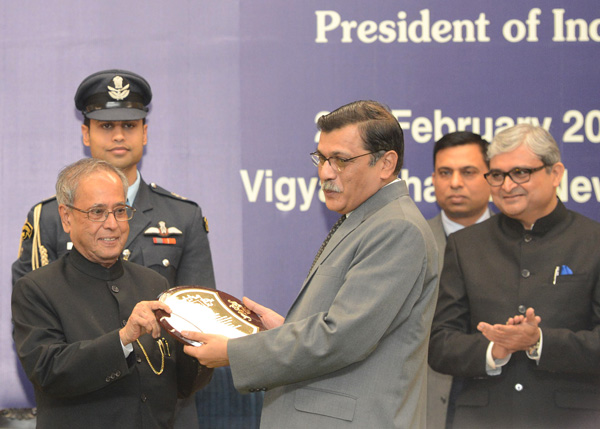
(100, 214)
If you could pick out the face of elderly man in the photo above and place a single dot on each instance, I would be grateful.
(99, 242)
(527, 202)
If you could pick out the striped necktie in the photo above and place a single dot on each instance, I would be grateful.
(333, 229)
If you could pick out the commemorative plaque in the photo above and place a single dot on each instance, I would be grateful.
(211, 311)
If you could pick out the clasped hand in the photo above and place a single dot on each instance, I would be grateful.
(519, 333)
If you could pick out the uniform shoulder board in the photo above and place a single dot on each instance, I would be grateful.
(27, 231)
(162, 191)
(47, 200)
(39, 254)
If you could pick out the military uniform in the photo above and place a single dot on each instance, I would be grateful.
(181, 253)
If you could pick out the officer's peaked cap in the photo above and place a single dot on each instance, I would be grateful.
(114, 95)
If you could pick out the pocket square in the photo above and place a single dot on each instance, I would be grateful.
(566, 271)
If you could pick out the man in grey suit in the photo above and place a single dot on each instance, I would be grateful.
(459, 161)
(351, 351)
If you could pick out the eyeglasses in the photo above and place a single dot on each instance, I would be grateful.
(98, 214)
(517, 175)
(337, 163)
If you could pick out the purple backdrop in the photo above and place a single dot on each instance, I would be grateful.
(237, 87)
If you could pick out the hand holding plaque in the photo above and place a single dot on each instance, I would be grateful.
(200, 309)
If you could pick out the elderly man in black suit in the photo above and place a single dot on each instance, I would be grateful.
(80, 323)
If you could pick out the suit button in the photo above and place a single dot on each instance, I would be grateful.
(518, 387)
(144, 398)
(115, 288)
(525, 273)
(527, 238)
(252, 390)
(138, 359)
(107, 379)
(522, 309)
(118, 373)
(166, 262)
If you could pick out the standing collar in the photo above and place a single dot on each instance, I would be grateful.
(93, 269)
(542, 225)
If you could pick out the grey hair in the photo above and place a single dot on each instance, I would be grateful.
(535, 138)
(70, 176)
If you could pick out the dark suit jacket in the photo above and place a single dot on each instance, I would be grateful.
(67, 317)
(187, 262)
(495, 270)
(352, 351)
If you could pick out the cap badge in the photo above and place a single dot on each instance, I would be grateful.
(119, 92)
(162, 230)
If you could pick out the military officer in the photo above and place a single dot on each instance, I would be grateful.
(168, 233)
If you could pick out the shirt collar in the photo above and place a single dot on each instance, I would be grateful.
(450, 226)
(133, 189)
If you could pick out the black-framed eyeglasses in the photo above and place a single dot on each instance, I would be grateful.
(518, 175)
(336, 162)
(98, 214)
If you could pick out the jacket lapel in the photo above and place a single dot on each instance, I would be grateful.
(358, 216)
(141, 219)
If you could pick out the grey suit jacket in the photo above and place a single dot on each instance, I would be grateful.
(438, 384)
(352, 351)
(440, 236)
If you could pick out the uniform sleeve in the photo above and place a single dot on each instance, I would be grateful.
(191, 376)
(49, 228)
(196, 267)
(23, 264)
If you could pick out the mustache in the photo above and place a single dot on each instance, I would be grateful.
(328, 185)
